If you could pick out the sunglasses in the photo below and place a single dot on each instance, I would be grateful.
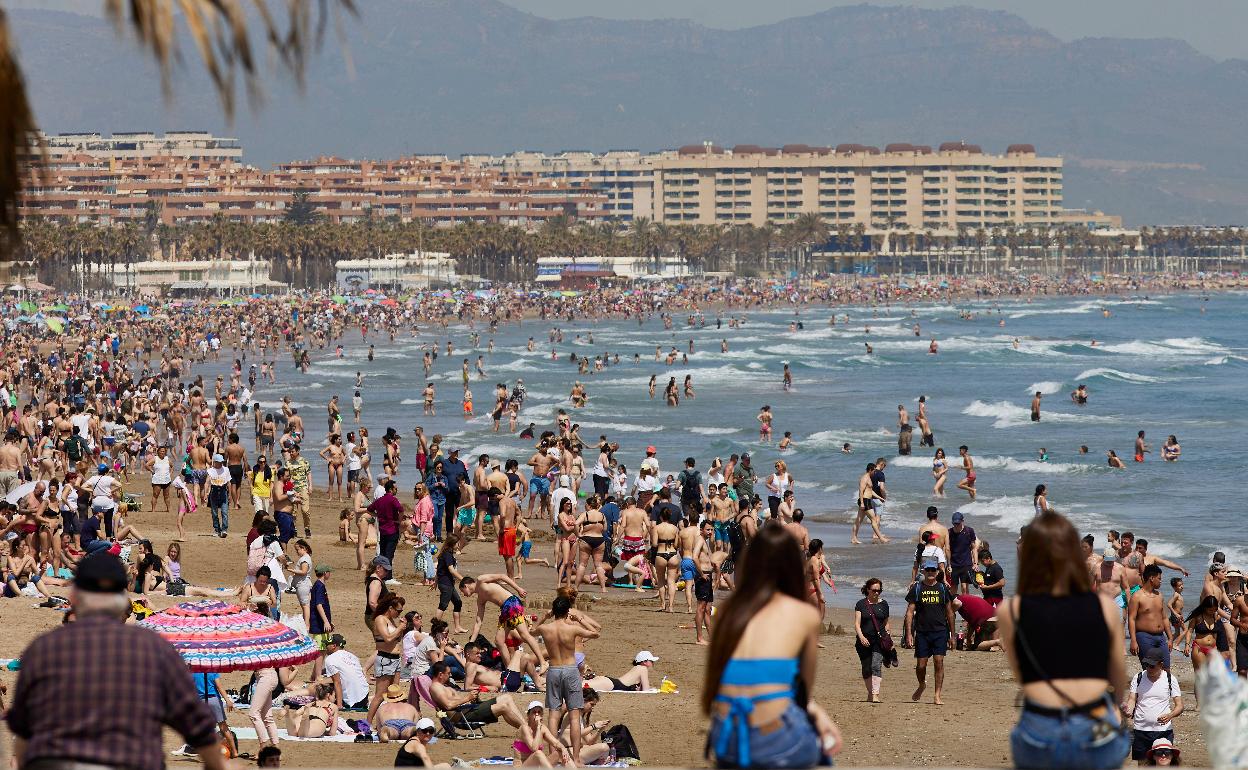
(874, 590)
(1162, 753)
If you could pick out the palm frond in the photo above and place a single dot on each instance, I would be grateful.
(18, 138)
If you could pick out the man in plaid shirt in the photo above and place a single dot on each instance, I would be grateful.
(95, 693)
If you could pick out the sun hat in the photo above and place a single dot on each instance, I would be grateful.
(1162, 743)
(394, 694)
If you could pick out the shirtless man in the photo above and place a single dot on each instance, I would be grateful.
(1146, 618)
(1239, 619)
(940, 530)
(1090, 556)
(1108, 578)
(236, 461)
(507, 518)
(799, 530)
(200, 457)
(564, 686)
(705, 579)
(10, 462)
(1141, 447)
(494, 589)
(903, 416)
(1213, 584)
(925, 428)
(720, 510)
(471, 704)
(335, 458)
(866, 509)
(967, 484)
(539, 485)
(1035, 406)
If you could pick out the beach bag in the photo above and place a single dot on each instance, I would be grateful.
(256, 557)
(621, 742)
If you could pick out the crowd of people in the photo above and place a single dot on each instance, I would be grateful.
(92, 414)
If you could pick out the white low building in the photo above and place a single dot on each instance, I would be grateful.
(226, 276)
(551, 269)
(418, 270)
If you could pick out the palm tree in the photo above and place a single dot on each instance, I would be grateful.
(223, 36)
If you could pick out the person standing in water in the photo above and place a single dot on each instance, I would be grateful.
(764, 424)
(1141, 448)
(788, 378)
(925, 428)
(967, 484)
(1035, 406)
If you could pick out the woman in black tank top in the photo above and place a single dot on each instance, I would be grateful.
(1064, 644)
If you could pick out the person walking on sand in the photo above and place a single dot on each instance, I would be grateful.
(563, 679)
(1069, 717)
(968, 465)
(765, 648)
(874, 644)
(929, 618)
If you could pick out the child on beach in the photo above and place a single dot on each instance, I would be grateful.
(468, 415)
(186, 501)
(523, 534)
(787, 441)
(1174, 608)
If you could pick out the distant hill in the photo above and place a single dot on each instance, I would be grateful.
(453, 76)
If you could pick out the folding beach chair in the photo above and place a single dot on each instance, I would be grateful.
(454, 724)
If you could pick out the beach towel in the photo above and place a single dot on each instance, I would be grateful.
(249, 734)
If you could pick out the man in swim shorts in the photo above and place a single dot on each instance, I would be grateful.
(506, 593)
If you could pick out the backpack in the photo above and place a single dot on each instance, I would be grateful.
(74, 447)
(690, 485)
(256, 556)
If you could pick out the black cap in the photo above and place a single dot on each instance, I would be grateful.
(101, 573)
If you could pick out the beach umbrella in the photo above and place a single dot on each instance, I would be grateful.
(142, 309)
(55, 324)
(13, 497)
(213, 636)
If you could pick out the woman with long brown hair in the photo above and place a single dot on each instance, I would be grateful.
(1064, 643)
(761, 663)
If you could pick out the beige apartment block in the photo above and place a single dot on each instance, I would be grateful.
(901, 187)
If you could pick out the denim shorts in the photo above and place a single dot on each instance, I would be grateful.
(794, 744)
(1041, 741)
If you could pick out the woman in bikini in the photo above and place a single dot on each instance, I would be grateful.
(566, 548)
(666, 559)
(636, 679)
(365, 523)
(315, 717)
(817, 572)
(591, 528)
(535, 741)
(388, 632)
(764, 424)
(940, 468)
(1208, 634)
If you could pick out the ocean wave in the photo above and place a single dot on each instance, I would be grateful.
(623, 427)
(993, 462)
(1114, 374)
(1047, 387)
(1086, 307)
(1173, 346)
(704, 431)
(835, 438)
(1008, 415)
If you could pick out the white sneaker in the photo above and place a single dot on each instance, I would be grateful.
(183, 751)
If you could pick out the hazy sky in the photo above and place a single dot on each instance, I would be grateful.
(1215, 27)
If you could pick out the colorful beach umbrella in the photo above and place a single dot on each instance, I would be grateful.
(55, 324)
(213, 636)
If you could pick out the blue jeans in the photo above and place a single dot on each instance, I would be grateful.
(221, 516)
(439, 511)
(1041, 741)
(794, 744)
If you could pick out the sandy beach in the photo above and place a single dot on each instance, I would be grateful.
(971, 729)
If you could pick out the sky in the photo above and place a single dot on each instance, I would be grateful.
(1214, 27)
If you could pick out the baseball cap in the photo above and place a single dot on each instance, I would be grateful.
(102, 467)
(644, 656)
(931, 564)
(535, 704)
(1109, 554)
(495, 463)
(382, 561)
(218, 458)
(651, 450)
(338, 639)
(958, 518)
(1150, 658)
(425, 724)
(453, 451)
(323, 569)
(100, 573)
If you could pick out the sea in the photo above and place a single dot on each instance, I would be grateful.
(1173, 364)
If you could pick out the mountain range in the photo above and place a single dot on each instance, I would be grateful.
(1150, 129)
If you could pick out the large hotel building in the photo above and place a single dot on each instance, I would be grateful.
(192, 176)
(903, 186)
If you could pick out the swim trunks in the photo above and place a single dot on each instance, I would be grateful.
(703, 591)
(511, 613)
(507, 543)
(687, 569)
(539, 485)
(466, 515)
(526, 548)
(632, 546)
(1139, 458)
(721, 531)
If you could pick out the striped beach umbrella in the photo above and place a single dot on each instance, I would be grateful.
(215, 637)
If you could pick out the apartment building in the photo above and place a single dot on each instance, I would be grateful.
(190, 145)
(111, 183)
(902, 186)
